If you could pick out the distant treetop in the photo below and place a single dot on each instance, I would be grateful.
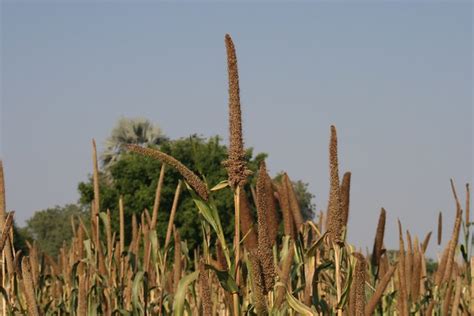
(139, 131)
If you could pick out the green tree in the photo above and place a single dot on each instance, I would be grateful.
(51, 227)
(20, 237)
(135, 178)
(138, 131)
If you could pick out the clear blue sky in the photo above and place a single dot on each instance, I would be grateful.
(395, 78)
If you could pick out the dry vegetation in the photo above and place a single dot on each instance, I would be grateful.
(308, 268)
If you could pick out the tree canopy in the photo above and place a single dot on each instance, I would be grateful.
(138, 131)
(135, 178)
(51, 227)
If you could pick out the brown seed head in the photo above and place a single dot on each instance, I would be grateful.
(2, 192)
(247, 223)
(444, 271)
(416, 272)
(258, 282)
(29, 287)
(221, 260)
(82, 294)
(236, 165)
(440, 228)
(285, 209)
(204, 290)
(335, 224)
(5, 232)
(265, 251)
(177, 268)
(272, 215)
(468, 204)
(453, 243)
(294, 204)
(425, 243)
(345, 196)
(359, 285)
(402, 273)
(194, 181)
(378, 242)
(8, 248)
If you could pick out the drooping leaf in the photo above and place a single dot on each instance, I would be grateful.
(180, 295)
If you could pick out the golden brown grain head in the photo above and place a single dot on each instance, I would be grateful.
(174, 207)
(453, 244)
(265, 251)
(5, 230)
(335, 220)
(416, 271)
(345, 196)
(258, 283)
(34, 264)
(204, 290)
(235, 115)
(440, 228)
(444, 270)
(236, 165)
(7, 248)
(359, 284)
(379, 236)
(221, 260)
(468, 204)
(272, 215)
(2, 192)
(191, 178)
(29, 287)
(134, 227)
(402, 302)
(156, 203)
(426, 242)
(82, 294)
(456, 199)
(96, 201)
(121, 225)
(177, 268)
(294, 204)
(284, 202)
(95, 177)
(409, 263)
(321, 221)
(247, 223)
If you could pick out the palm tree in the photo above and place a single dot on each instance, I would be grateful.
(138, 131)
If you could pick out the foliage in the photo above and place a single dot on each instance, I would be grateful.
(21, 236)
(138, 131)
(135, 178)
(52, 227)
(431, 266)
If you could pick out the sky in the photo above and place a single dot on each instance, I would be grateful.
(394, 77)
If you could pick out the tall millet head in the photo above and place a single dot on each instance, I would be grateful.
(335, 221)
(265, 251)
(236, 165)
